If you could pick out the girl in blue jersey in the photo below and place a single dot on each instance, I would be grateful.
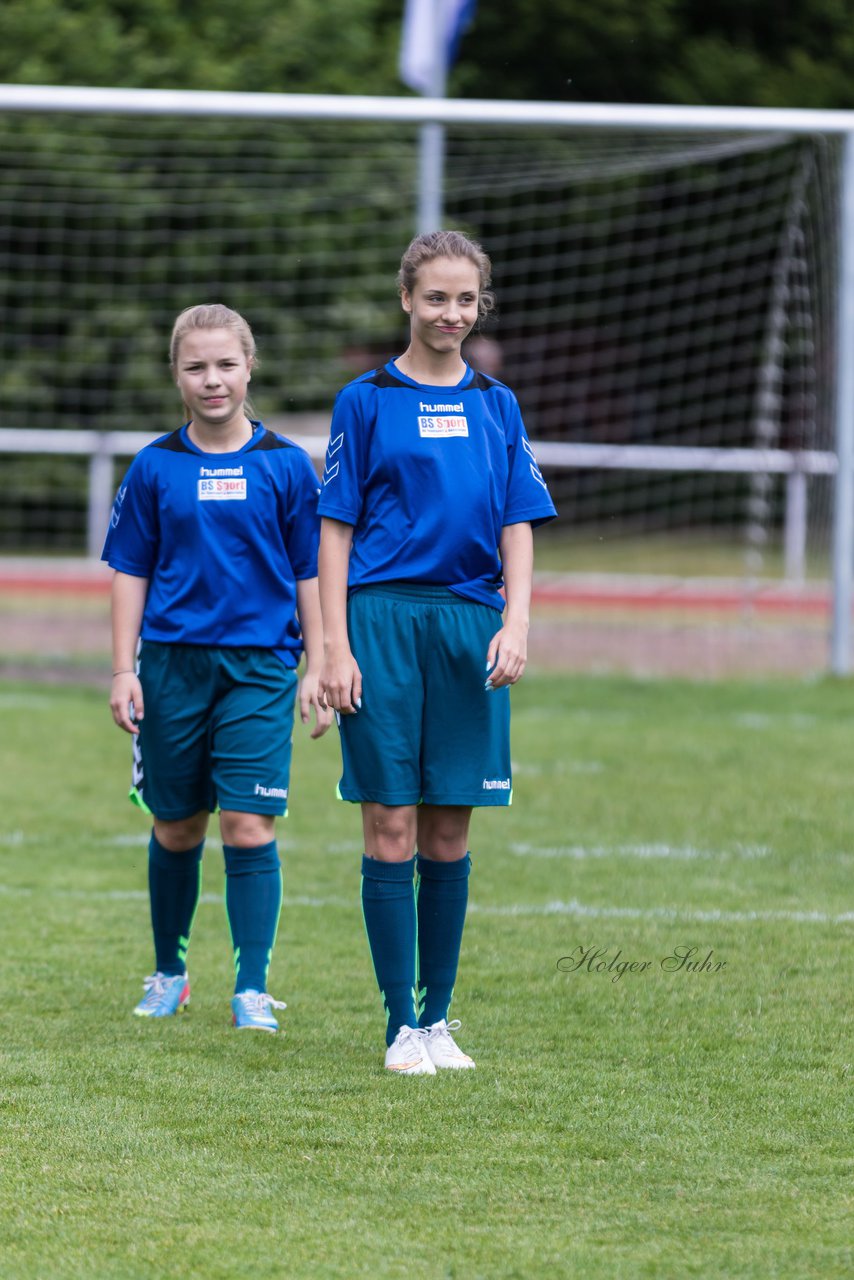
(213, 540)
(429, 496)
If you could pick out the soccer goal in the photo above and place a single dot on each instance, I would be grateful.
(673, 307)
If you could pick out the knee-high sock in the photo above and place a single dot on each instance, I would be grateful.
(388, 906)
(174, 885)
(441, 891)
(253, 903)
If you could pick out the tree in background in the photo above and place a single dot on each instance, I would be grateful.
(737, 52)
(283, 46)
(111, 225)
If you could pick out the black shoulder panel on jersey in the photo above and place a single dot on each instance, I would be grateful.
(172, 442)
(480, 382)
(382, 378)
(270, 440)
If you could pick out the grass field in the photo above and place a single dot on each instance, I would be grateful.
(655, 1122)
(683, 555)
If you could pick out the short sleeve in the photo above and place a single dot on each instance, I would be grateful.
(342, 486)
(132, 539)
(528, 497)
(302, 534)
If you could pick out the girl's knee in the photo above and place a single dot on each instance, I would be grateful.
(443, 831)
(179, 834)
(389, 831)
(246, 830)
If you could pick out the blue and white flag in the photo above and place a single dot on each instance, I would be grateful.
(419, 39)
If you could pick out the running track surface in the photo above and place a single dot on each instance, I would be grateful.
(560, 590)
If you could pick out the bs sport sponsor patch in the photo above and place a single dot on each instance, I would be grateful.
(441, 421)
(221, 483)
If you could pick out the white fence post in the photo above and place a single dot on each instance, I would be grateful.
(100, 497)
(795, 528)
(843, 520)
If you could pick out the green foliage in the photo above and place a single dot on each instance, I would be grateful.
(738, 53)
(281, 46)
(108, 227)
(134, 222)
(748, 53)
(663, 1124)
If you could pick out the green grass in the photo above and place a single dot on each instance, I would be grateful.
(681, 554)
(663, 1124)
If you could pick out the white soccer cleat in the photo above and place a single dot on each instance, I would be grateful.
(407, 1054)
(443, 1050)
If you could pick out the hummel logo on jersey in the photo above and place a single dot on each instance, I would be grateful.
(275, 793)
(117, 506)
(535, 470)
(219, 483)
(330, 471)
(441, 420)
(496, 784)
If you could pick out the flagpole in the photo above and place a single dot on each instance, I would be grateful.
(431, 138)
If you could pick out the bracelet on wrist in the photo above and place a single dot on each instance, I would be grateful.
(125, 671)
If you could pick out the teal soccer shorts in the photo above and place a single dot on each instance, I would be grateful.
(427, 729)
(216, 733)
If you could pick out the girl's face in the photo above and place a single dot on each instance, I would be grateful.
(213, 373)
(442, 306)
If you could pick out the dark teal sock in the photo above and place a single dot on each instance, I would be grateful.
(174, 885)
(442, 892)
(388, 906)
(253, 903)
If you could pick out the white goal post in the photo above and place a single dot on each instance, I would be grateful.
(743, 171)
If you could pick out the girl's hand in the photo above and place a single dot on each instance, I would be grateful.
(126, 701)
(507, 655)
(309, 698)
(341, 683)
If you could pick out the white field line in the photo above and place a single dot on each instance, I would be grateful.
(10, 700)
(572, 908)
(583, 911)
(26, 702)
(677, 853)
(744, 719)
(773, 720)
(556, 766)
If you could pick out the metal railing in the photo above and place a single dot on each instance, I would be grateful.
(311, 432)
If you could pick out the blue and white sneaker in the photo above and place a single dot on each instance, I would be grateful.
(250, 1011)
(165, 994)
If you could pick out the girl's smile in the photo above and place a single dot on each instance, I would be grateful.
(443, 307)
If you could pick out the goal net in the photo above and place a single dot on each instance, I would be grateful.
(670, 291)
(656, 291)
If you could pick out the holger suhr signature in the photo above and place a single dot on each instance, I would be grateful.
(682, 959)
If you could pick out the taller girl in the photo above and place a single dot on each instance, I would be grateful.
(429, 496)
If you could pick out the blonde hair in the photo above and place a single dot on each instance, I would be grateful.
(214, 315)
(447, 244)
(211, 315)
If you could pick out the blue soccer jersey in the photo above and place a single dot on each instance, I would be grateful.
(429, 476)
(222, 539)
